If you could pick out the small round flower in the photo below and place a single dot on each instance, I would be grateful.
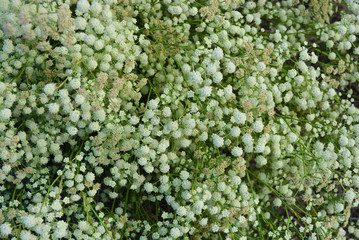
(6, 229)
(261, 66)
(5, 113)
(49, 89)
(343, 140)
(257, 126)
(80, 23)
(217, 140)
(184, 175)
(230, 67)
(215, 228)
(211, 68)
(251, 81)
(75, 83)
(217, 53)
(203, 221)
(72, 130)
(148, 187)
(53, 108)
(142, 161)
(96, 8)
(195, 77)
(90, 177)
(175, 233)
(175, 10)
(237, 151)
(217, 77)
(84, 226)
(236, 180)
(153, 104)
(181, 211)
(99, 44)
(74, 115)
(83, 6)
(350, 196)
(239, 117)
(205, 91)
(79, 99)
(292, 73)
(94, 126)
(235, 131)
(332, 56)
(133, 120)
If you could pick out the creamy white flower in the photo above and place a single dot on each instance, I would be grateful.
(217, 53)
(49, 89)
(5, 113)
(217, 140)
(230, 67)
(83, 6)
(6, 229)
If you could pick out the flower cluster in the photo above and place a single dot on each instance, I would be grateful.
(221, 119)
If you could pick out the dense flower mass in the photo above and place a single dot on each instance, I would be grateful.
(179, 119)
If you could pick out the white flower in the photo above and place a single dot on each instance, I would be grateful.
(261, 66)
(99, 44)
(217, 77)
(236, 180)
(350, 196)
(175, 10)
(61, 229)
(96, 7)
(215, 228)
(8, 46)
(221, 186)
(237, 151)
(75, 83)
(235, 131)
(239, 117)
(175, 233)
(153, 104)
(100, 115)
(343, 140)
(84, 226)
(184, 175)
(230, 67)
(292, 73)
(181, 211)
(56, 205)
(94, 126)
(53, 108)
(49, 89)
(257, 126)
(211, 68)
(247, 139)
(72, 130)
(80, 23)
(198, 207)
(195, 77)
(6, 229)
(79, 99)
(203, 221)
(217, 140)
(5, 113)
(217, 53)
(205, 91)
(74, 115)
(83, 6)
(29, 221)
(27, 235)
(251, 81)
(148, 187)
